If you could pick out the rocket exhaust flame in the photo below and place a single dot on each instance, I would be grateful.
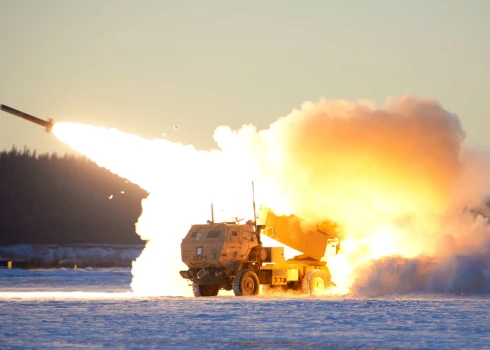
(395, 178)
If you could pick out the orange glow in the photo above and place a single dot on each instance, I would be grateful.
(387, 176)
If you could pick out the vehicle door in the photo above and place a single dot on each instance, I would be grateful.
(234, 242)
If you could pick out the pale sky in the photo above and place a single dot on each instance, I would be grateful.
(144, 66)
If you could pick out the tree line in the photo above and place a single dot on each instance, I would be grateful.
(51, 199)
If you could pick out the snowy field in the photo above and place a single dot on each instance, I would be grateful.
(94, 308)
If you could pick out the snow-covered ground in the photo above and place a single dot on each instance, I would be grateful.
(94, 308)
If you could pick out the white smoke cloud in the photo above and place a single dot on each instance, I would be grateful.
(396, 178)
(393, 177)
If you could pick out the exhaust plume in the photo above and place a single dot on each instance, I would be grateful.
(398, 179)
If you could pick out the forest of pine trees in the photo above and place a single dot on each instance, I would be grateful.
(48, 199)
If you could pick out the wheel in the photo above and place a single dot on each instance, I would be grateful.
(246, 283)
(205, 290)
(315, 282)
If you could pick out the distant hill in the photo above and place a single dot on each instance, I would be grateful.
(48, 199)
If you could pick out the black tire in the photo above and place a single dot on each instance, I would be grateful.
(316, 282)
(205, 290)
(246, 283)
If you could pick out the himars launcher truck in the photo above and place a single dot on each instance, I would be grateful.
(231, 256)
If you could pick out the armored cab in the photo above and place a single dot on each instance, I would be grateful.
(214, 252)
(230, 256)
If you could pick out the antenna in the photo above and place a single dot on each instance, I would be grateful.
(212, 213)
(253, 198)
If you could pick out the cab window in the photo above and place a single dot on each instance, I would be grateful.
(213, 234)
(196, 235)
(233, 235)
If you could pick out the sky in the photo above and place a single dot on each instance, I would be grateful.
(144, 66)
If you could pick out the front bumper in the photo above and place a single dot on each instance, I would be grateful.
(204, 275)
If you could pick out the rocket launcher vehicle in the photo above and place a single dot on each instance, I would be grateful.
(48, 125)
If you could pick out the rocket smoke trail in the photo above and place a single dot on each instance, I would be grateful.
(398, 179)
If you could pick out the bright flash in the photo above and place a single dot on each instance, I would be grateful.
(385, 176)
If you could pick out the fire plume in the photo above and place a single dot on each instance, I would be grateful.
(392, 178)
